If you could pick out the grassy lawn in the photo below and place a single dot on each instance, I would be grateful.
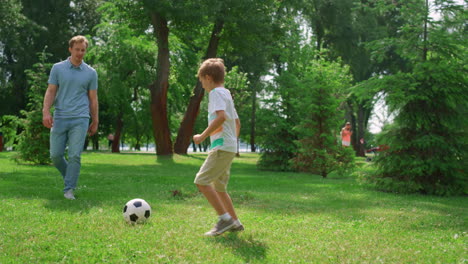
(289, 217)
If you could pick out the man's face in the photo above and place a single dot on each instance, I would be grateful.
(78, 51)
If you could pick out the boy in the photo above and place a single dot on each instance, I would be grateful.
(223, 129)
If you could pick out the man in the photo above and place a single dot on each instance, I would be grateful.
(72, 89)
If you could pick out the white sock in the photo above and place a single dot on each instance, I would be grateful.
(237, 222)
(225, 217)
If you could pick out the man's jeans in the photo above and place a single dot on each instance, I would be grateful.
(73, 131)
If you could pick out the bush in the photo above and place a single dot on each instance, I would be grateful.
(277, 142)
(33, 142)
(427, 141)
(323, 88)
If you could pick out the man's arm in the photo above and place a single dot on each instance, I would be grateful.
(214, 125)
(94, 109)
(238, 127)
(49, 97)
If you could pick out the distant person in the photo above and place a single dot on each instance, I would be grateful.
(110, 138)
(223, 130)
(346, 133)
(72, 89)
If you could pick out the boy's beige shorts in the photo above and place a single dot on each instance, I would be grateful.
(215, 170)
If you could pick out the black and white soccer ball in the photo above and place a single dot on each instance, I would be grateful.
(136, 211)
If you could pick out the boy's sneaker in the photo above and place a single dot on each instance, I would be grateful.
(221, 227)
(69, 195)
(238, 228)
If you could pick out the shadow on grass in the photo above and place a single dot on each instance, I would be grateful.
(248, 248)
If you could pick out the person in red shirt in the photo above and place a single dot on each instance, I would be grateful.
(346, 133)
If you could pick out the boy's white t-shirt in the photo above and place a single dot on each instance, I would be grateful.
(225, 137)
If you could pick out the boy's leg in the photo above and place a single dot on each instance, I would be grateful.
(227, 203)
(212, 169)
(213, 198)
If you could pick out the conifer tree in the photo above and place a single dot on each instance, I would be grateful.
(427, 141)
(33, 142)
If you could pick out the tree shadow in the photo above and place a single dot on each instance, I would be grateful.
(247, 248)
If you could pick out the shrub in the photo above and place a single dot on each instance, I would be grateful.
(33, 142)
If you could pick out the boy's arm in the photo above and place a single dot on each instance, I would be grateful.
(214, 125)
(49, 97)
(238, 126)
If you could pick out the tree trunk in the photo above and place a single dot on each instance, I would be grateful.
(360, 131)
(118, 134)
(185, 132)
(425, 49)
(253, 120)
(160, 87)
(95, 140)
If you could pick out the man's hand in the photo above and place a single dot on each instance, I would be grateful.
(47, 120)
(198, 139)
(92, 128)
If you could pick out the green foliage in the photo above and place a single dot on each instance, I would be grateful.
(240, 88)
(277, 142)
(28, 27)
(427, 141)
(278, 116)
(321, 92)
(9, 126)
(124, 58)
(33, 142)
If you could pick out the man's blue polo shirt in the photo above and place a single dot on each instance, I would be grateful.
(73, 83)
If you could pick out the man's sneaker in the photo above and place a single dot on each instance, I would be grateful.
(69, 195)
(221, 227)
(237, 228)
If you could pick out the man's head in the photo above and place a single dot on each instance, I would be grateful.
(212, 71)
(77, 47)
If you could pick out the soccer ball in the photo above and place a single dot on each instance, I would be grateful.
(136, 211)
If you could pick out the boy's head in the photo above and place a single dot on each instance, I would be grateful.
(77, 39)
(214, 68)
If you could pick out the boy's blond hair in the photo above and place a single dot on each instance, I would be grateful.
(214, 68)
(78, 39)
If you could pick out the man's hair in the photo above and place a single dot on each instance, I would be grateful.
(214, 68)
(77, 39)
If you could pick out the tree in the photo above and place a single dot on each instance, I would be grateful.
(188, 122)
(33, 142)
(125, 59)
(321, 92)
(240, 34)
(345, 28)
(427, 145)
(26, 29)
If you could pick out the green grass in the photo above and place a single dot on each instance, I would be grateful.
(289, 217)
